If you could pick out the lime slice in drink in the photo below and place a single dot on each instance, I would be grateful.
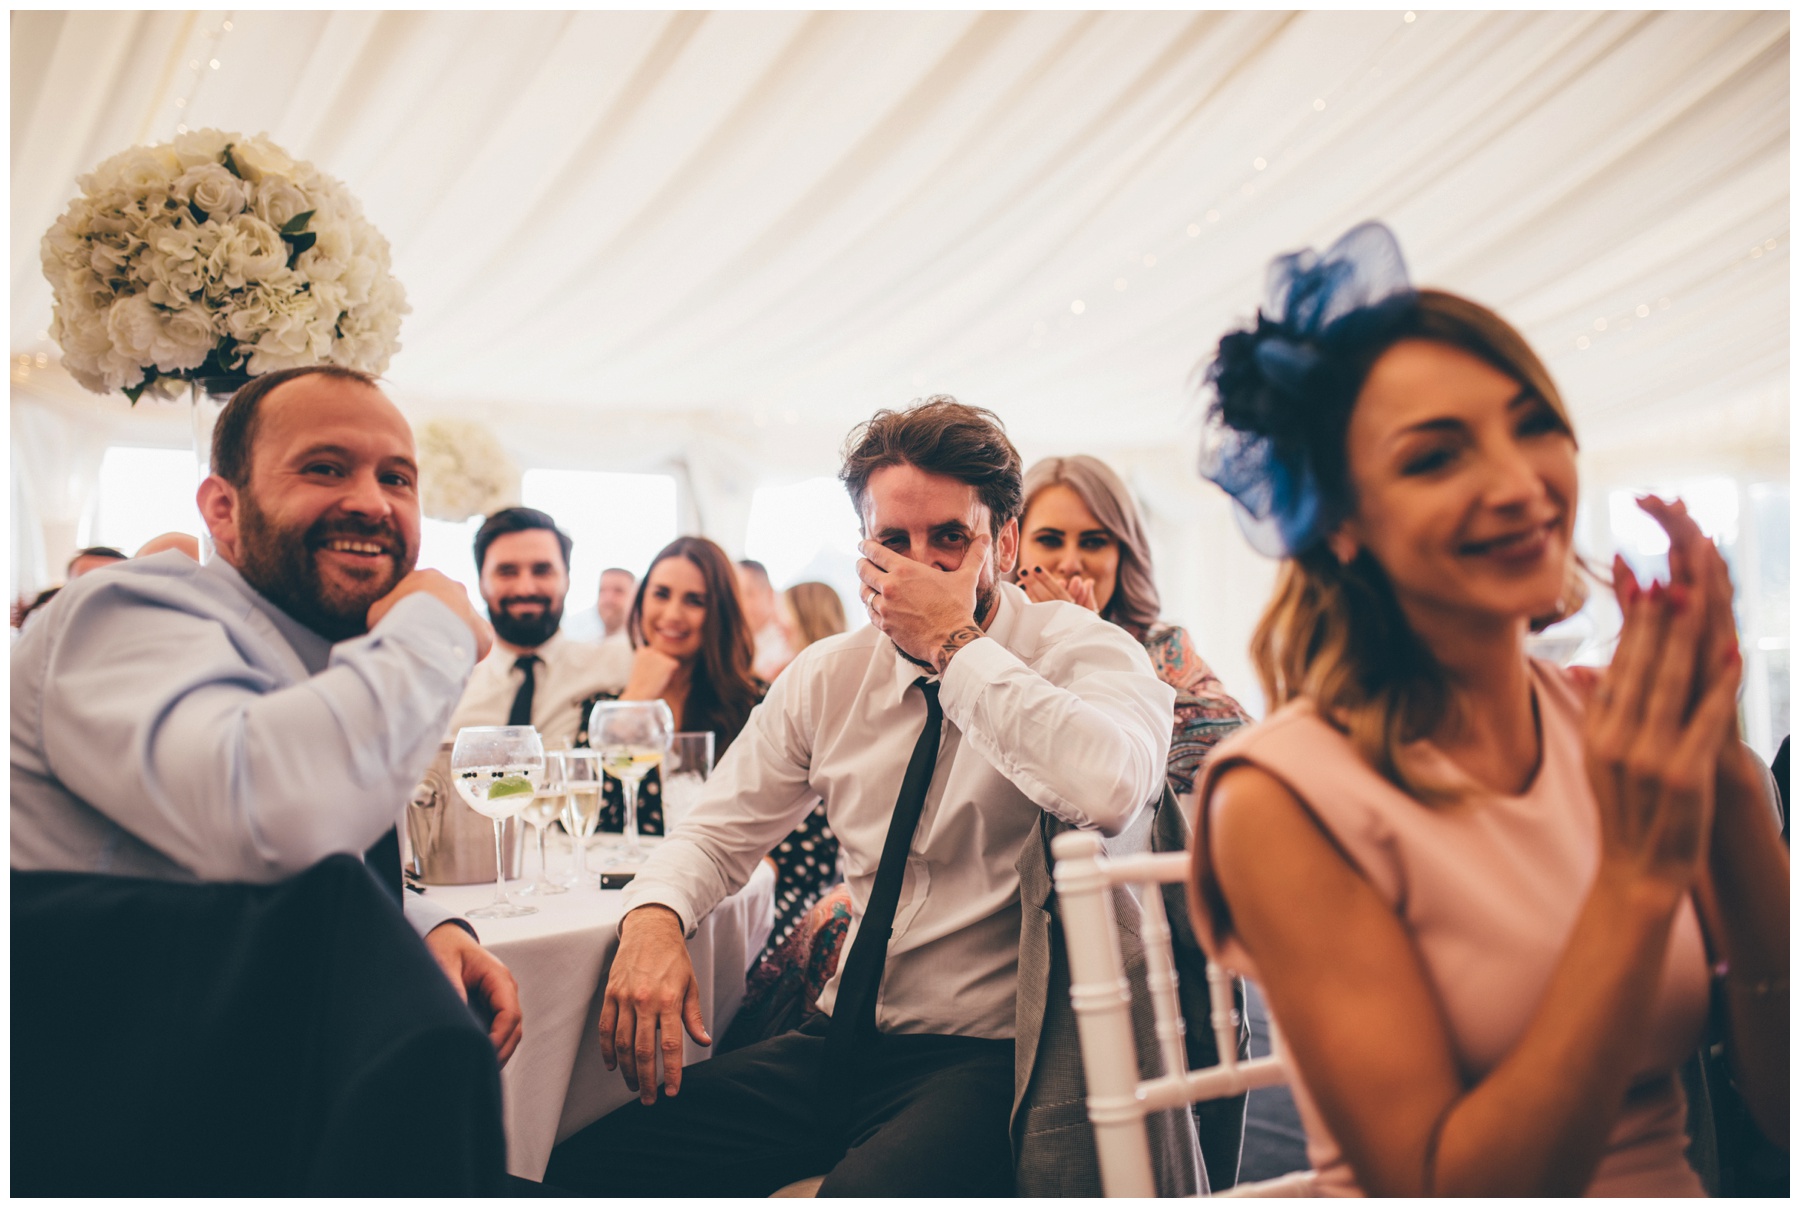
(508, 786)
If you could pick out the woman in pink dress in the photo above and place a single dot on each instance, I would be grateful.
(1486, 897)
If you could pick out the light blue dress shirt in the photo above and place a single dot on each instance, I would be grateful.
(170, 722)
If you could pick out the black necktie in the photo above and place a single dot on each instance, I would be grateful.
(384, 862)
(853, 1015)
(521, 707)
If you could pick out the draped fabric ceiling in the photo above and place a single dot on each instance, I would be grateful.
(718, 240)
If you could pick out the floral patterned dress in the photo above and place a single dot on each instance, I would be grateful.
(1204, 712)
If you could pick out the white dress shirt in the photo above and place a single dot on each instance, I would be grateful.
(569, 673)
(170, 722)
(1053, 710)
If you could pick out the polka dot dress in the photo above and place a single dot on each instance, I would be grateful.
(806, 866)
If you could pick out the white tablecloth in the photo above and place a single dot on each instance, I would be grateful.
(556, 1085)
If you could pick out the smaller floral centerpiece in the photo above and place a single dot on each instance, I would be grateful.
(463, 471)
(214, 259)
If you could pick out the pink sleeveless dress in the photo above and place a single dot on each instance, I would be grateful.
(1489, 889)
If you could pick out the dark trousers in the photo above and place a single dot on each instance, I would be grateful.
(927, 1116)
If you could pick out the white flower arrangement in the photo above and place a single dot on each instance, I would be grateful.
(216, 258)
(463, 471)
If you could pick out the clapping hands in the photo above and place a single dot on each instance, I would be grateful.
(1663, 722)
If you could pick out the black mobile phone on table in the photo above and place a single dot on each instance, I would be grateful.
(616, 880)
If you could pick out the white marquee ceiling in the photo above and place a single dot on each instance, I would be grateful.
(768, 225)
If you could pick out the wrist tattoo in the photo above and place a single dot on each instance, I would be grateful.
(956, 641)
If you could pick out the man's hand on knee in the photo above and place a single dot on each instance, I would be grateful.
(484, 983)
(651, 989)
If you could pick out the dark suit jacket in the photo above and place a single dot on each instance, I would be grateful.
(175, 1039)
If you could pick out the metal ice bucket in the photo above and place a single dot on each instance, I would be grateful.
(451, 843)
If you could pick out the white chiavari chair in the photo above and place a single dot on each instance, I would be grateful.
(1117, 1099)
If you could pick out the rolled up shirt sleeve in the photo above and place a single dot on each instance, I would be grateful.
(1083, 731)
(155, 717)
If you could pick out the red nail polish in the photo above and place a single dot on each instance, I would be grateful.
(1678, 597)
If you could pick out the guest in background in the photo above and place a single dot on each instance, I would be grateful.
(535, 676)
(187, 543)
(772, 650)
(91, 559)
(605, 621)
(1484, 895)
(243, 719)
(693, 654)
(810, 611)
(617, 587)
(1082, 541)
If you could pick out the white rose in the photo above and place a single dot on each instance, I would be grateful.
(185, 337)
(258, 157)
(249, 249)
(215, 191)
(198, 147)
(327, 259)
(277, 202)
(138, 170)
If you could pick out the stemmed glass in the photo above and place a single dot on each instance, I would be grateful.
(543, 809)
(497, 770)
(684, 772)
(632, 737)
(581, 811)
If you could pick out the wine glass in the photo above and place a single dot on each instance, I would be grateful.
(497, 770)
(689, 763)
(581, 809)
(632, 737)
(543, 809)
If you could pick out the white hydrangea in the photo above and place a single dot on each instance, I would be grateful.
(464, 471)
(216, 256)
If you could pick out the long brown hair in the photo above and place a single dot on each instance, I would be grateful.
(722, 691)
(1135, 604)
(1334, 633)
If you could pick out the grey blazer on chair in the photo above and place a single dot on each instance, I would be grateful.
(1053, 1144)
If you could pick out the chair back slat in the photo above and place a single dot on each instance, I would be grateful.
(1164, 982)
(1102, 1001)
(1118, 1101)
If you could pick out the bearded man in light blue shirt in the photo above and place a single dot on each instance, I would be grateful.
(243, 719)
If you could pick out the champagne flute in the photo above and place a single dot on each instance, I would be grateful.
(632, 737)
(497, 770)
(543, 809)
(581, 810)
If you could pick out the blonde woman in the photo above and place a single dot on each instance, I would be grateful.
(1485, 896)
(810, 611)
(1082, 540)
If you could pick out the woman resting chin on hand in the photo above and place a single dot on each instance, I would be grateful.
(1483, 894)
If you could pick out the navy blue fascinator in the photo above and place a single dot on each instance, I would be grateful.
(1283, 389)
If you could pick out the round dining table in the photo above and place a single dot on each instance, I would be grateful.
(555, 1083)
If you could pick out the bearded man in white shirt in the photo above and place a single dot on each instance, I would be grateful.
(981, 710)
(536, 675)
